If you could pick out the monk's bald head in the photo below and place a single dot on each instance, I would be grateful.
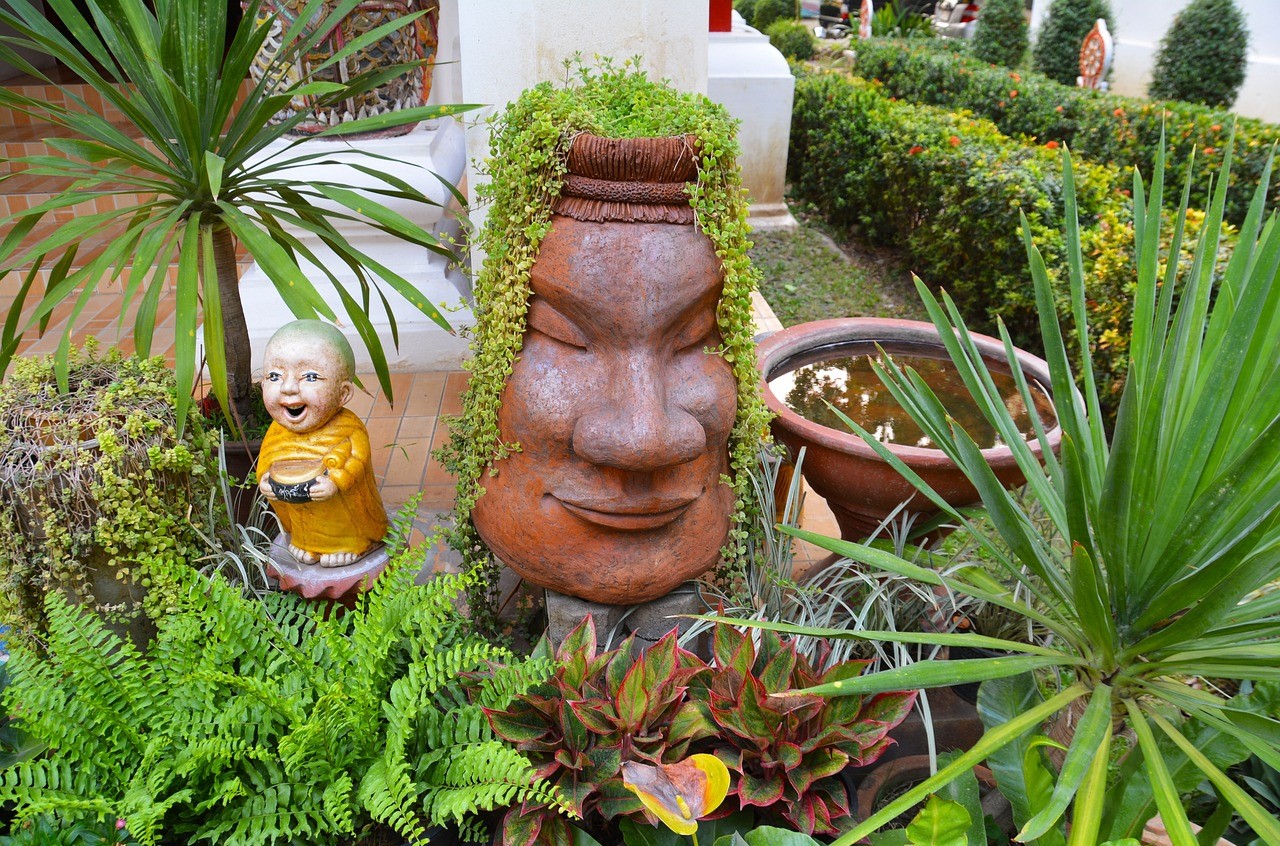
(313, 334)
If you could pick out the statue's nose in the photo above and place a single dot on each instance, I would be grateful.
(634, 426)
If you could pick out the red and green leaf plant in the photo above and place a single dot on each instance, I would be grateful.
(785, 748)
(598, 711)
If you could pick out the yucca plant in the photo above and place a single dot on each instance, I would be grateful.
(1162, 536)
(203, 174)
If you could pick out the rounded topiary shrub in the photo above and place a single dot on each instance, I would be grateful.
(768, 11)
(1202, 57)
(1056, 53)
(1002, 33)
(792, 39)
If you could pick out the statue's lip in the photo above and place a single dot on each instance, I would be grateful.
(629, 515)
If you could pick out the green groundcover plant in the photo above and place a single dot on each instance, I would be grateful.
(1163, 536)
(203, 177)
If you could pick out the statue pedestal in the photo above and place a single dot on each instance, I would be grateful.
(436, 148)
(749, 77)
(311, 581)
(648, 621)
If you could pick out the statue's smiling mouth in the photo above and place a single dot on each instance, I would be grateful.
(295, 412)
(627, 516)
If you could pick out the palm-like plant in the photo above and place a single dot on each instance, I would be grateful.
(1165, 533)
(203, 174)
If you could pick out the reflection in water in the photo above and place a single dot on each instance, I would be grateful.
(843, 377)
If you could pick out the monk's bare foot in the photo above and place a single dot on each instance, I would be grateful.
(338, 559)
(303, 556)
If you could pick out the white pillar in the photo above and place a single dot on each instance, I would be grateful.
(752, 80)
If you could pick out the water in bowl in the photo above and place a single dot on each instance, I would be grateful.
(842, 375)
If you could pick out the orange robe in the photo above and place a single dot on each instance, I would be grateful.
(353, 520)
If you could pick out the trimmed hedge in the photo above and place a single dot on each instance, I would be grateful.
(1097, 125)
(1001, 37)
(1203, 56)
(792, 38)
(1056, 53)
(948, 189)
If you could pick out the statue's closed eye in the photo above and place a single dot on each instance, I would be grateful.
(545, 320)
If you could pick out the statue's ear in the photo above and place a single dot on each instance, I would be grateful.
(348, 391)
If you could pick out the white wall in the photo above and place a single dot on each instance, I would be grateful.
(1140, 24)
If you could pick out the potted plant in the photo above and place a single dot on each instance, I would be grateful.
(1161, 535)
(198, 176)
(102, 488)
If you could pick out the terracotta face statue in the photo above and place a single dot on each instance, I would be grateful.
(622, 416)
(314, 462)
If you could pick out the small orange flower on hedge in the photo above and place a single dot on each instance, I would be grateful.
(1058, 109)
(1052, 145)
(1015, 76)
(914, 150)
(955, 140)
(1217, 127)
(1119, 112)
(1013, 93)
(1209, 151)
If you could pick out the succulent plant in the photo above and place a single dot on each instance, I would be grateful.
(786, 748)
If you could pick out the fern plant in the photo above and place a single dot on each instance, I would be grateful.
(262, 721)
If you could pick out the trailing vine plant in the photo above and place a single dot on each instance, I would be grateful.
(97, 480)
(526, 167)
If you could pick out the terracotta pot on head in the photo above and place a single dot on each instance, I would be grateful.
(861, 488)
(622, 416)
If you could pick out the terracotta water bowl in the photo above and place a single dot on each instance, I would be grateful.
(860, 487)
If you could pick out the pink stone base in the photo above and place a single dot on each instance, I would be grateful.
(312, 581)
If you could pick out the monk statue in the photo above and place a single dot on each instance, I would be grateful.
(314, 464)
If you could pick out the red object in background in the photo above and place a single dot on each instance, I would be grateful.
(970, 14)
(721, 15)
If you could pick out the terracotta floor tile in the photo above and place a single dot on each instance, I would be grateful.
(382, 434)
(394, 496)
(437, 498)
(400, 385)
(407, 461)
(455, 384)
(417, 427)
(436, 474)
(425, 395)
(361, 404)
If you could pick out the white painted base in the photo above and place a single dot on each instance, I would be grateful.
(748, 75)
(423, 345)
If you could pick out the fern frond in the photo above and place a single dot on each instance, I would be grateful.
(498, 688)
(481, 777)
(388, 794)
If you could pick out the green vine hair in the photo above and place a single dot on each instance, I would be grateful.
(265, 721)
(526, 168)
